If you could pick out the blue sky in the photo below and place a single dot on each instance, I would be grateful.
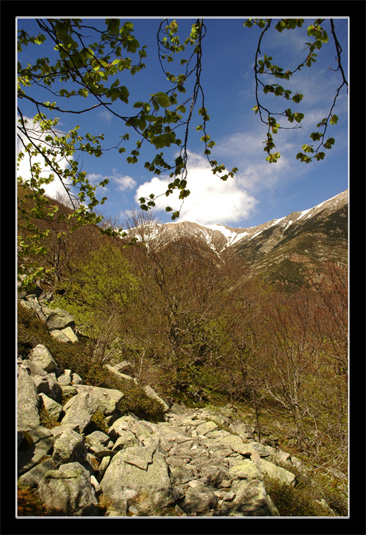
(260, 191)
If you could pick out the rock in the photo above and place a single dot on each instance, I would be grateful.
(115, 371)
(152, 394)
(35, 447)
(69, 490)
(65, 378)
(276, 472)
(59, 319)
(53, 408)
(43, 358)
(64, 335)
(137, 468)
(60, 336)
(199, 499)
(27, 401)
(69, 447)
(46, 384)
(202, 429)
(250, 499)
(35, 474)
(76, 379)
(106, 399)
(244, 469)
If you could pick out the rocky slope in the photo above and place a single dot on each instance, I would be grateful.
(84, 457)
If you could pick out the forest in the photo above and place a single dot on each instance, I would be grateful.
(201, 330)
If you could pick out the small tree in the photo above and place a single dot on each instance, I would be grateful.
(101, 288)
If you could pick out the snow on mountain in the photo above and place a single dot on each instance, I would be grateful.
(220, 237)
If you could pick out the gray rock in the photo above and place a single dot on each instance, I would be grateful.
(69, 447)
(35, 447)
(250, 499)
(69, 490)
(46, 384)
(65, 378)
(106, 399)
(35, 474)
(276, 472)
(136, 468)
(199, 500)
(27, 401)
(60, 336)
(152, 394)
(60, 319)
(43, 358)
(53, 408)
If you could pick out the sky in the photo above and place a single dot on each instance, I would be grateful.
(260, 191)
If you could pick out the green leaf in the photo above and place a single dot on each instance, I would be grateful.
(162, 99)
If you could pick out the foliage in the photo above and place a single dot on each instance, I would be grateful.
(88, 70)
(265, 67)
(292, 501)
(137, 402)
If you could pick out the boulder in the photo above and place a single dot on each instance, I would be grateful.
(53, 408)
(276, 472)
(250, 499)
(69, 490)
(65, 378)
(27, 401)
(69, 447)
(199, 499)
(47, 384)
(152, 394)
(59, 319)
(35, 447)
(142, 469)
(35, 474)
(43, 358)
(106, 399)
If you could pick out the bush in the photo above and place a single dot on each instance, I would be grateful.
(137, 402)
(291, 501)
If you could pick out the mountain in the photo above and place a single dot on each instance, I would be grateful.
(286, 250)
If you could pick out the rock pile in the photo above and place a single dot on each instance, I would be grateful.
(90, 459)
(197, 462)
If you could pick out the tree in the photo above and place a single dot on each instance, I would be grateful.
(89, 59)
(101, 288)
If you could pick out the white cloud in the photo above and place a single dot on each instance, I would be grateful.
(211, 200)
(124, 182)
(54, 188)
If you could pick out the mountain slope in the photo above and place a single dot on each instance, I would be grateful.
(286, 250)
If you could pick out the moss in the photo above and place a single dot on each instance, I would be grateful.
(46, 419)
(99, 421)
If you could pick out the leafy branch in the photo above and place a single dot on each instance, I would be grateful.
(266, 67)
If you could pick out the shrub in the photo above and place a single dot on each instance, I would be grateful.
(136, 401)
(291, 501)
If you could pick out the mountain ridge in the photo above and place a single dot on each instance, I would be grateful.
(285, 250)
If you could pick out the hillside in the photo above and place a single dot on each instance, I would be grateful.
(287, 250)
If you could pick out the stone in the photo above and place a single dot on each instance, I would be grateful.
(35, 474)
(76, 379)
(250, 499)
(43, 358)
(125, 440)
(46, 384)
(152, 394)
(69, 333)
(105, 398)
(59, 319)
(27, 401)
(53, 408)
(69, 447)
(276, 472)
(35, 447)
(65, 378)
(60, 336)
(123, 472)
(199, 499)
(69, 490)
(244, 469)
(202, 429)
